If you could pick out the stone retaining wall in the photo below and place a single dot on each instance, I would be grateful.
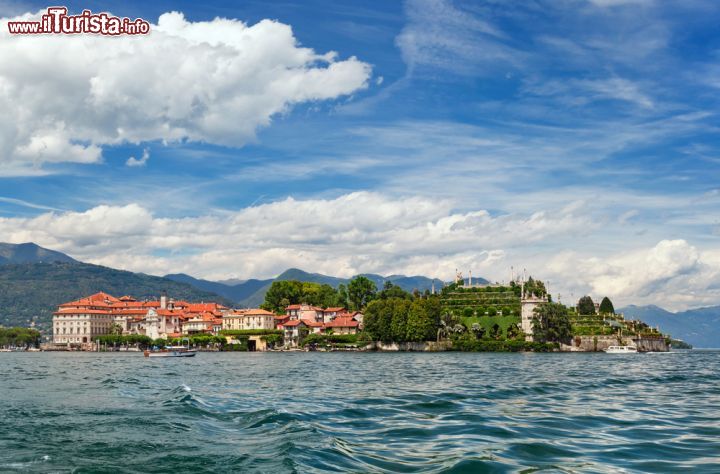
(600, 343)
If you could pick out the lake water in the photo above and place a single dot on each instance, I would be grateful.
(360, 412)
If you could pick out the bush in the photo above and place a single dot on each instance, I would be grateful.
(250, 332)
(467, 343)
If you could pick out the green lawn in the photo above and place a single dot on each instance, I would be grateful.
(489, 321)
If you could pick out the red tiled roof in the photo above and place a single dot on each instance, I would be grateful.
(342, 323)
(312, 324)
(334, 310)
(258, 312)
(294, 322)
(293, 306)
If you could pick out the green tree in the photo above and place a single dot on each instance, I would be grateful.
(606, 306)
(551, 323)
(378, 320)
(495, 331)
(115, 328)
(342, 296)
(361, 290)
(513, 332)
(477, 330)
(586, 306)
(399, 326)
(423, 319)
(391, 290)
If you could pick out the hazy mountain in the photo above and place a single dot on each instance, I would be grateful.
(232, 281)
(235, 293)
(699, 327)
(251, 293)
(32, 291)
(31, 253)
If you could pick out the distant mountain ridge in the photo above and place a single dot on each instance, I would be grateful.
(31, 253)
(35, 280)
(699, 327)
(252, 292)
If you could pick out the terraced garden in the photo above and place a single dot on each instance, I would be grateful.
(607, 325)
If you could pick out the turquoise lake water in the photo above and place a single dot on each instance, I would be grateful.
(360, 412)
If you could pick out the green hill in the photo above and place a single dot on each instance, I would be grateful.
(30, 253)
(32, 291)
(260, 287)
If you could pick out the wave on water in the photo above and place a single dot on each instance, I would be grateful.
(365, 413)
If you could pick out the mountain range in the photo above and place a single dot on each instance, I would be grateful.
(699, 327)
(251, 293)
(34, 280)
(31, 253)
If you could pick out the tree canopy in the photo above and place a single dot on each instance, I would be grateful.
(586, 306)
(287, 292)
(361, 290)
(551, 323)
(606, 306)
(390, 290)
(19, 337)
(402, 320)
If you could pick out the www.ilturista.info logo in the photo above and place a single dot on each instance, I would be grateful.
(57, 21)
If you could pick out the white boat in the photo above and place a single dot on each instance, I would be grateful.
(4, 349)
(172, 351)
(621, 350)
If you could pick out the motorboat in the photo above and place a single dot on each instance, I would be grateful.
(172, 351)
(621, 350)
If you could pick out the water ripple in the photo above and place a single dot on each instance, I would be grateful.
(338, 412)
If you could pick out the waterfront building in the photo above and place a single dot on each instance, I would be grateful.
(342, 325)
(78, 322)
(244, 319)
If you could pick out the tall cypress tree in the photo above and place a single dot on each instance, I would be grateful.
(586, 305)
(606, 306)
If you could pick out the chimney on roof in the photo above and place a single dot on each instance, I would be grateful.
(163, 300)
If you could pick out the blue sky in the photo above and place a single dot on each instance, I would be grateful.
(577, 139)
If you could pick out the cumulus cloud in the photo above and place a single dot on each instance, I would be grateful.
(65, 96)
(349, 234)
(371, 232)
(138, 162)
(672, 273)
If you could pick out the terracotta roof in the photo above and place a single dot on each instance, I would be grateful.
(294, 322)
(293, 306)
(334, 310)
(312, 324)
(258, 312)
(342, 323)
(83, 311)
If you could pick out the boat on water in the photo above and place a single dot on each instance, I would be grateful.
(4, 349)
(621, 350)
(171, 351)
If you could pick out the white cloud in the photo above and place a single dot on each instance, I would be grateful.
(135, 162)
(63, 97)
(370, 232)
(439, 34)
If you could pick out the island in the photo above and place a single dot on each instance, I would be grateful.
(461, 316)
